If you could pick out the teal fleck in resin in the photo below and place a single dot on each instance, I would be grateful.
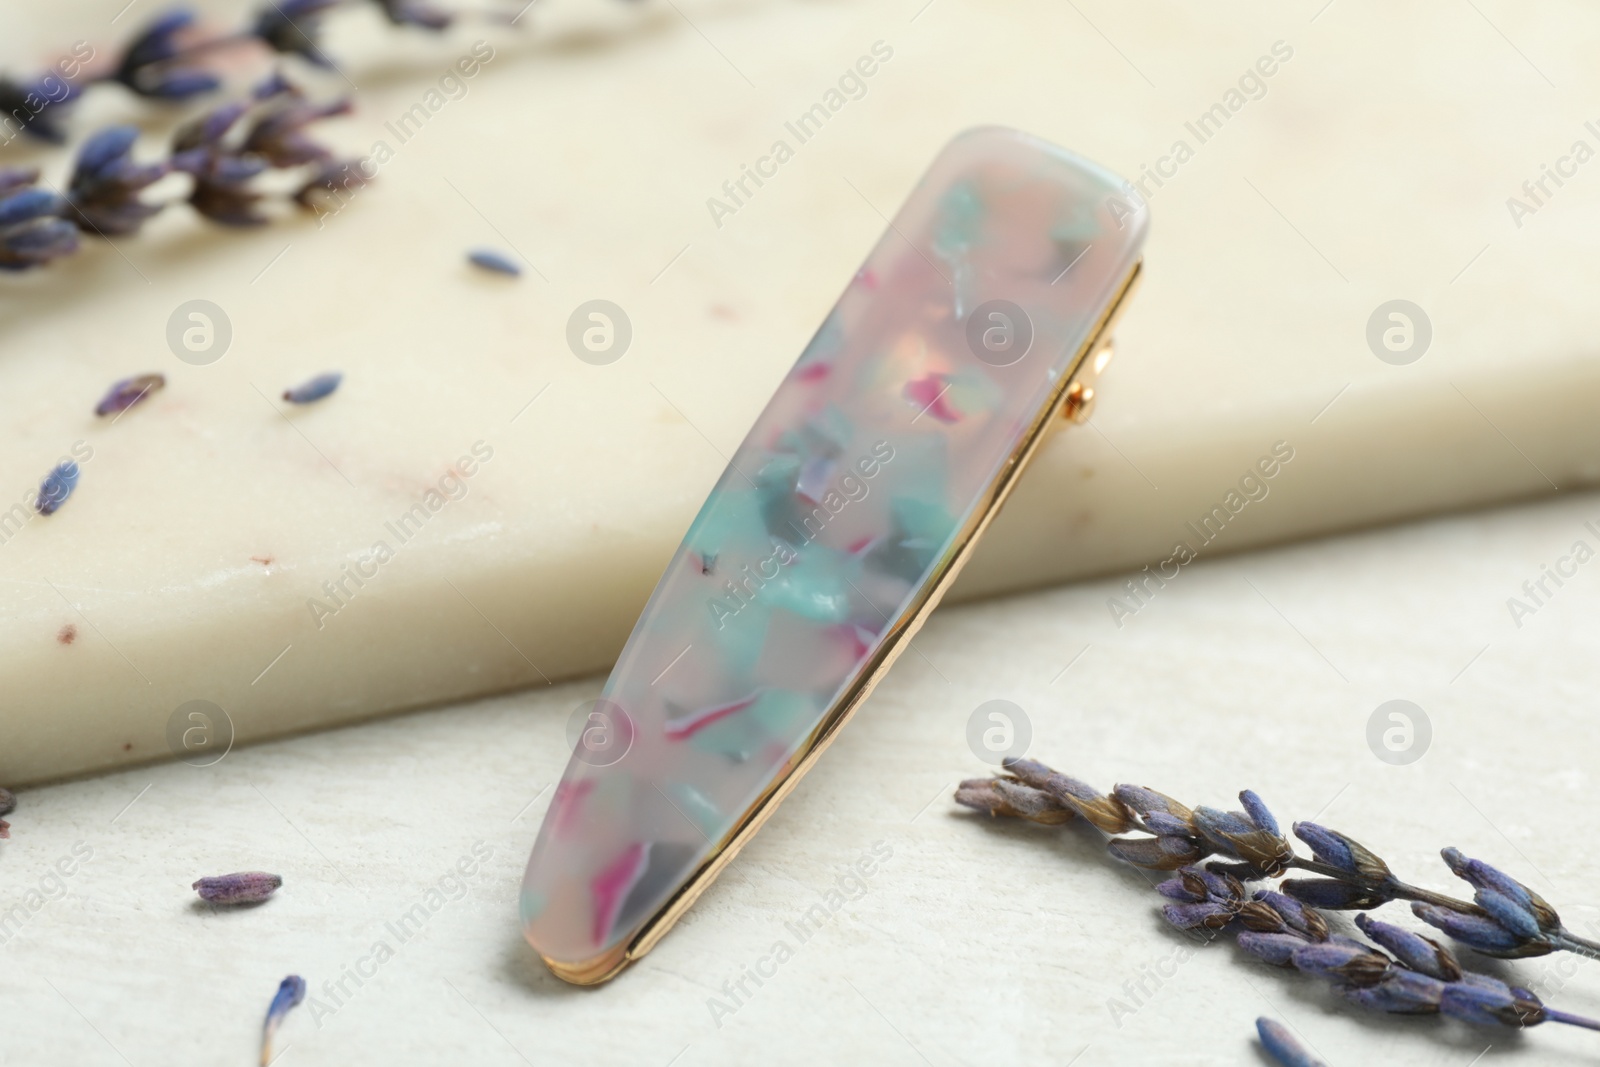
(852, 493)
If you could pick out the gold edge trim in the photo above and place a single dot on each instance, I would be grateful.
(607, 965)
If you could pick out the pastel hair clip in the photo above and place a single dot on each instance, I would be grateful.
(980, 318)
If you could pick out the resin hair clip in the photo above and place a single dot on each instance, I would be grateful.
(982, 315)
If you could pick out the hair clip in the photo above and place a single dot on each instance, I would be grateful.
(982, 315)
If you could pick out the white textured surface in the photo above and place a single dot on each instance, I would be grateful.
(974, 943)
(1375, 166)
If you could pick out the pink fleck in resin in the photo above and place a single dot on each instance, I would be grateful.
(852, 496)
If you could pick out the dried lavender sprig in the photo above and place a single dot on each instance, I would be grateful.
(291, 991)
(1506, 918)
(1283, 1046)
(244, 887)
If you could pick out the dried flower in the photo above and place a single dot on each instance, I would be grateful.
(279, 136)
(1334, 895)
(1282, 1046)
(329, 183)
(1106, 813)
(291, 991)
(1284, 928)
(31, 230)
(1251, 835)
(8, 802)
(56, 487)
(1006, 796)
(1337, 850)
(1415, 951)
(292, 26)
(105, 186)
(410, 13)
(14, 178)
(314, 389)
(155, 63)
(128, 392)
(491, 260)
(245, 887)
(35, 106)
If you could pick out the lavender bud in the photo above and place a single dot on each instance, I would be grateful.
(1105, 812)
(1333, 895)
(1337, 850)
(153, 66)
(291, 991)
(5, 830)
(315, 389)
(1344, 960)
(1282, 1046)
(128, 392)
(1259, 813)
(1276, 949)
(1480, 932)
(1415, 951)
(245, 887)
(1489, 1002)
(1194, 916)
(1186, 887)
(1295, 915)
(1401, 992)
(490, 260)
(1235, 835)
(1487, 879)
(1155, 853)
(56, 487)
(1148, 802)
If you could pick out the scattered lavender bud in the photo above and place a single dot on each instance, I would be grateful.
(56, 487)
(491, 260)
(128, 392)
(154, 64)
(291, 991)
(314, 389)
(1337, 850)
(1282, 1046)
(5, 830)
(245, 887)
(8, 802)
